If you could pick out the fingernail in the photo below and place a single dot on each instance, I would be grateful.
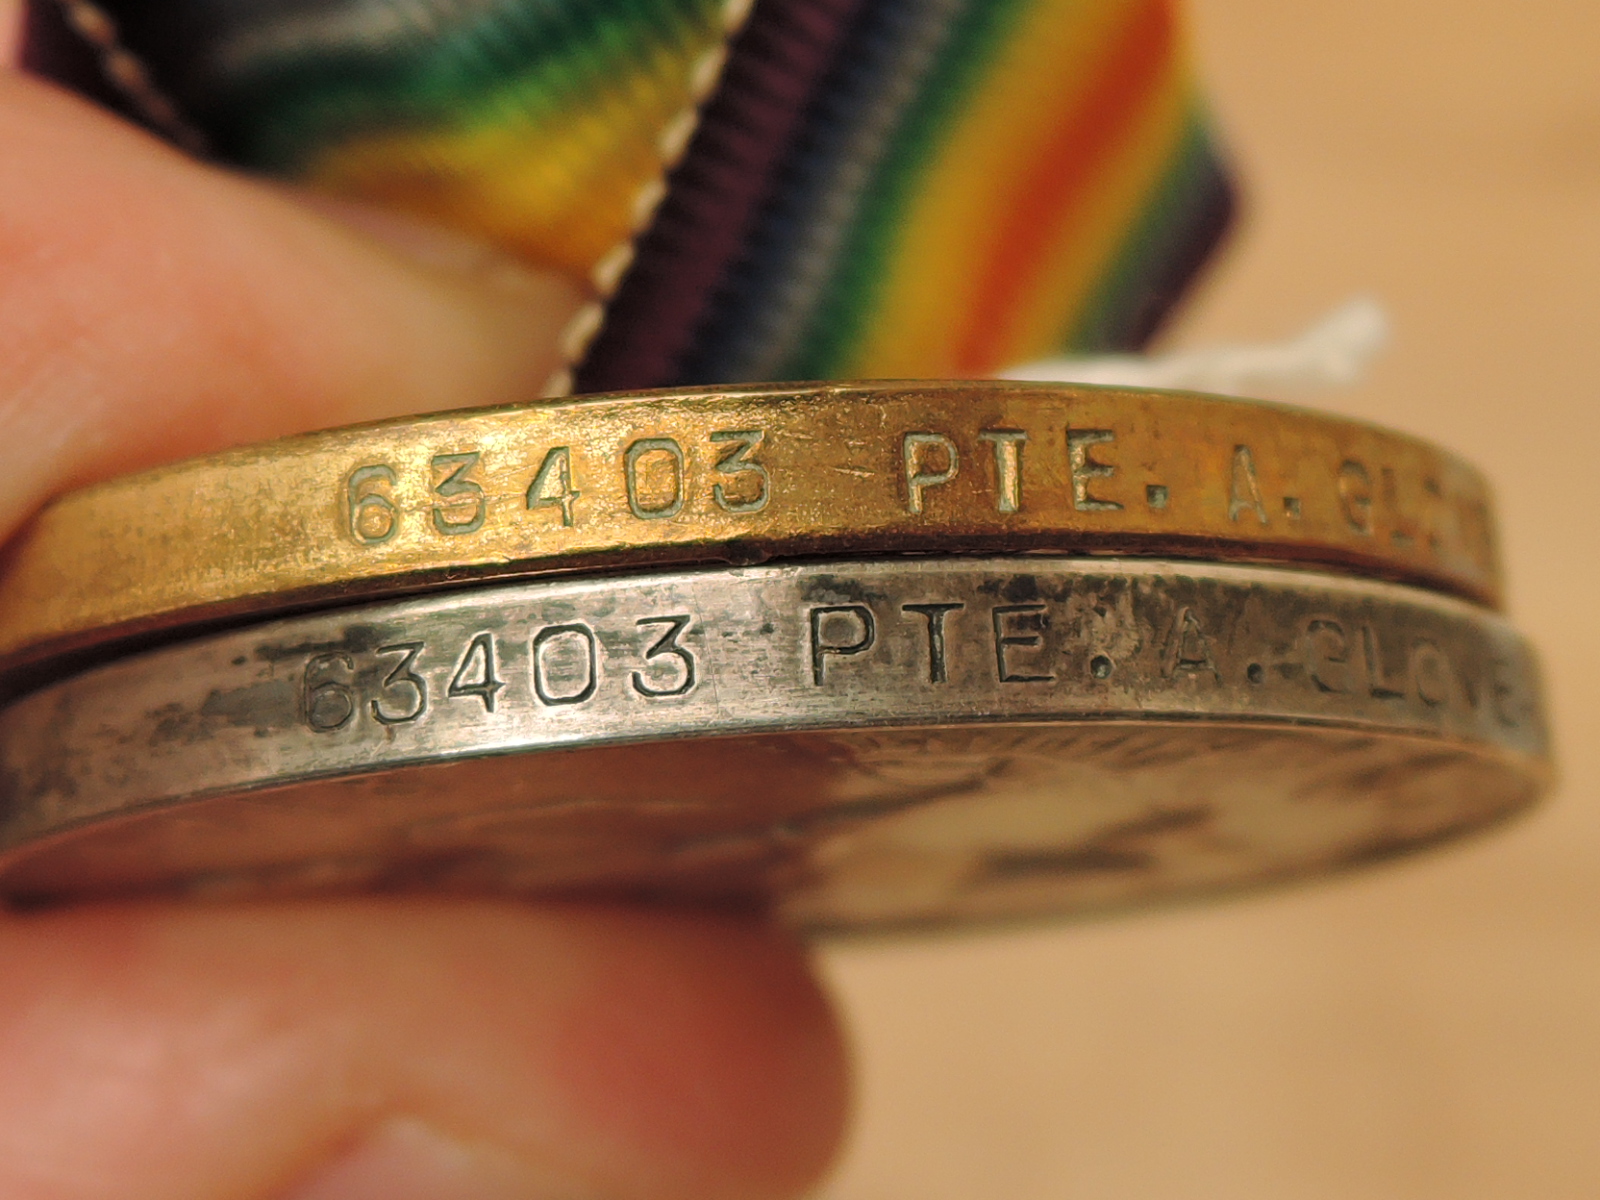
(433, 246)
(10, 32)
(406, 1160)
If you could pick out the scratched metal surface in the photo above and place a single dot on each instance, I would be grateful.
(860, 744)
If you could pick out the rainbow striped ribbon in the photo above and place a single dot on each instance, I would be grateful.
(798, 189)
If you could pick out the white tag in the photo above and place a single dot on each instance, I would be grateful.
(1333, 352)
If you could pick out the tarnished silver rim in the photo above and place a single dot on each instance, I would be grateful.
(714, 653)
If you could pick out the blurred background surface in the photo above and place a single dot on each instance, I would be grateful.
(1430, 1029)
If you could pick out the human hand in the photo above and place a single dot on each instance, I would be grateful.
(361, 1049)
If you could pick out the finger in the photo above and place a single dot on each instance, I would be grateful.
(349, 1050)
(153, 307)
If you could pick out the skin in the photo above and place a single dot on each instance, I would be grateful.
(402, 1049)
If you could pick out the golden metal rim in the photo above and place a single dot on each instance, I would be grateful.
(738, 474)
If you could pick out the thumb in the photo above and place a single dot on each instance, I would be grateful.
(153, 307)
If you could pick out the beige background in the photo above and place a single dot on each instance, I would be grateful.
(1433, 1029)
